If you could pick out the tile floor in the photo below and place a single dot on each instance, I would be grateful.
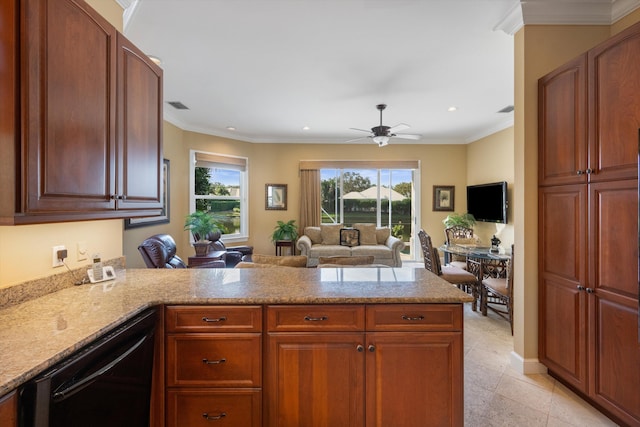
(496, 395)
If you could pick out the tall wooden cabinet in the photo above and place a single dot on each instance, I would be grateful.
(589, 122)
(81, 129)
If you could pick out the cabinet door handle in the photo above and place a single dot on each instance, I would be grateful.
(208, 417)
(213, 362)
(590, 291)
(579, 172)
(589, 171)
(412, 319)
(580, 288)
(371, 348)
(210, 320)
(315, 319)
(360, 348)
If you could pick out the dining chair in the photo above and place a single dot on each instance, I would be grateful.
(458, 234)
(456, 276)
(496, 294)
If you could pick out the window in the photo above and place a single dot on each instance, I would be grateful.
(219, 185)
(381, 196)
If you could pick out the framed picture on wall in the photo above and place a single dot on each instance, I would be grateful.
(164, 217)
(275, 197)
(443, 197)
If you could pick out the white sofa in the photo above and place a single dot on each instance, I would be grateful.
(324, 241)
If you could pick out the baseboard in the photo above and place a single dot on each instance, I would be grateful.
(527, 366)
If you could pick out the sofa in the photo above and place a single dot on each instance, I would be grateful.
(360, 240)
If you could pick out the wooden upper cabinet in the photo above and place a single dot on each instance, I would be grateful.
(614, 106)
(139, 129)
(562, 126)
(69, 85)
(81, 134)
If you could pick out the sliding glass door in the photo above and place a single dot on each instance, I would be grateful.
(384, 197)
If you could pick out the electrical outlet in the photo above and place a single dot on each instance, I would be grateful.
(82, 250)
(56, 261)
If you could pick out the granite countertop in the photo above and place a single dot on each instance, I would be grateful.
(38, 333)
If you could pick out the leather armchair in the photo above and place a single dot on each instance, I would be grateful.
(159, 251)
(235, 254)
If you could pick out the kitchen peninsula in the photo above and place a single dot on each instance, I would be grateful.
(396, 334)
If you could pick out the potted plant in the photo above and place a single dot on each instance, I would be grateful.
(465, 220)
(285, 231)
(200, 223)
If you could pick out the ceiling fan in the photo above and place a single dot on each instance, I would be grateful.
(381, 134)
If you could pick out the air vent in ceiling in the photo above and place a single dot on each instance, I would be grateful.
(507, 109)
(178, 105)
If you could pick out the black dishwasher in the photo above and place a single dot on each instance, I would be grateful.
(107, 383)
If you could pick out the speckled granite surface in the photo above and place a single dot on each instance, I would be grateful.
(40, 332)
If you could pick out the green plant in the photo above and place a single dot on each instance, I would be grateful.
(465, 220)
(285, 231)
(200, 223)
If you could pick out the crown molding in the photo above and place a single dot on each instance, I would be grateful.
(564, 12)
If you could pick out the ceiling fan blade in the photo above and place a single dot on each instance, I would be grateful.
(358, 139)
(407, 136)
(361, 130)
(400, 126)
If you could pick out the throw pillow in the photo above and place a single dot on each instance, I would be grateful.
(367, 234)
(346, 260)
(382, 234)
(330, 234)
(284, 261)
(314, 234)
(349, 237)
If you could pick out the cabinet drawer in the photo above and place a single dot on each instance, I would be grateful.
(213, 318)
(315, 317)
(194, 408)
(214, 360)
(414, 317)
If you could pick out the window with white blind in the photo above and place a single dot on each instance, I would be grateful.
(219, 186)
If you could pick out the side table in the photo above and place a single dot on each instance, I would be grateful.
(195, 261)
(285, 244)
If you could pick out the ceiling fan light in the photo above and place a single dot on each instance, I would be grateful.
(381, 140)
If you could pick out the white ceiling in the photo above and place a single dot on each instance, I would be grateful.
(271, 67)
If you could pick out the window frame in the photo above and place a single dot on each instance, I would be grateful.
(243, 196)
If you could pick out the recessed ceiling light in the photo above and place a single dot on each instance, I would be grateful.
(230, 128)
(306, 128)
(155, 59)
(452, 108)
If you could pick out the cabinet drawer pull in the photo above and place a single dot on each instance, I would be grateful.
(412, 319)
(208, 417)
(315, 319)
(210, 320)
(213, 362)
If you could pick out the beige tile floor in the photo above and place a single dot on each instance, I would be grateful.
(496, 395)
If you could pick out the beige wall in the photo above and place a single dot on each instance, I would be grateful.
(490, 159)
(278, 163)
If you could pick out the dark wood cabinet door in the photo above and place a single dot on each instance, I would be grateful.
(562, 318)
(9, 410)
(614, 107)
(315, 379)
(562, 126)
(414, 379)
(615, 356)
(139, 129)
(69, 88)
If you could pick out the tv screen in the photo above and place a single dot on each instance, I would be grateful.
(488, 202)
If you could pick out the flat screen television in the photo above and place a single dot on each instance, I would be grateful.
(488, 202)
